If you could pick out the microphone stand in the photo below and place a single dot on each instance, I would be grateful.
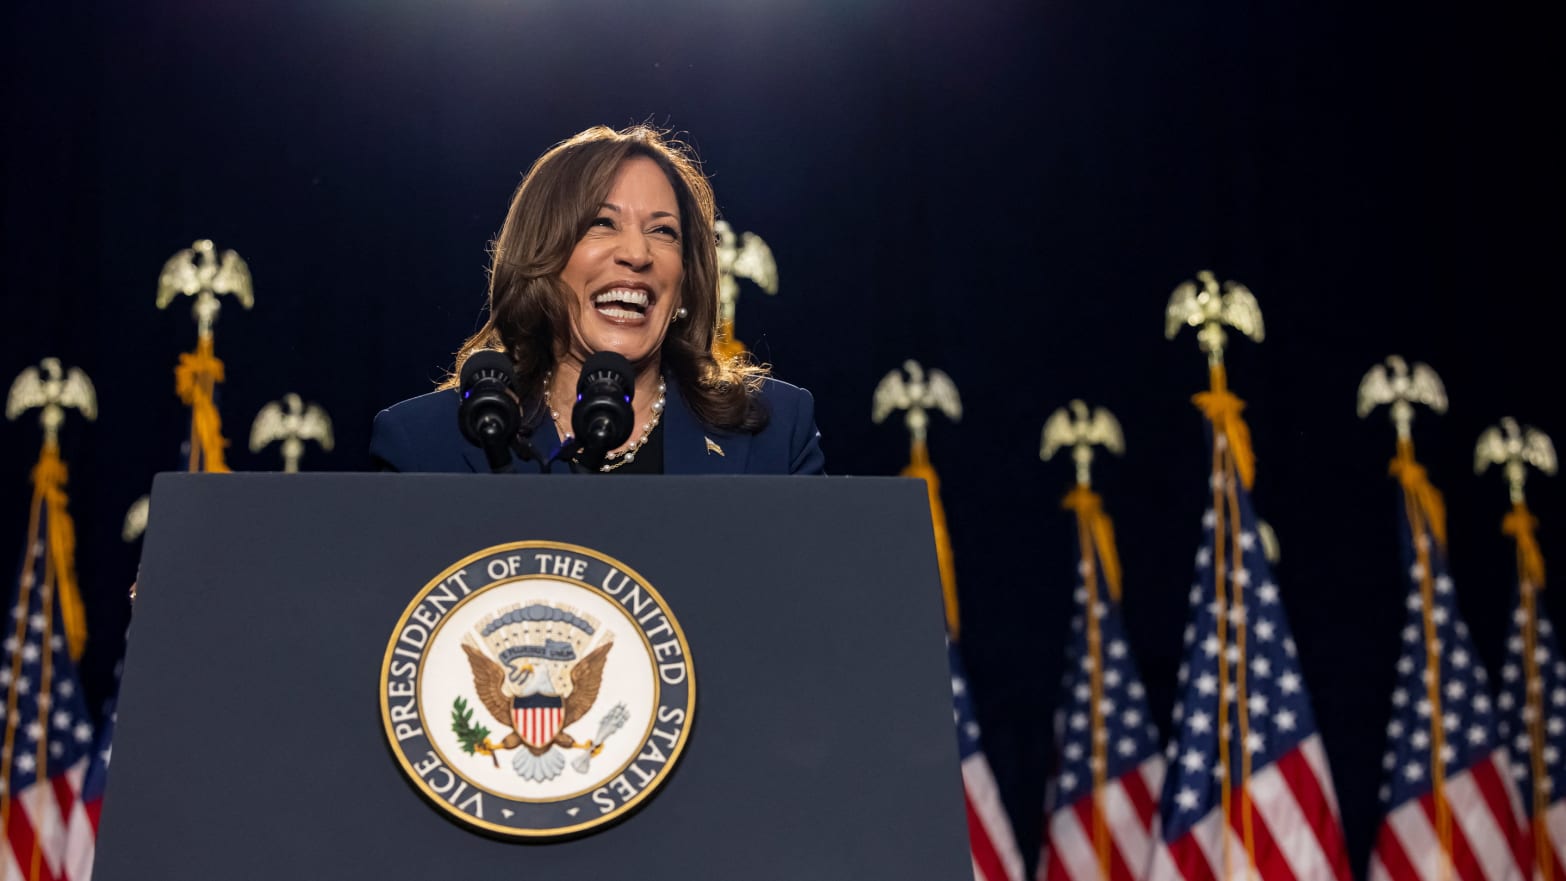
(568, 451)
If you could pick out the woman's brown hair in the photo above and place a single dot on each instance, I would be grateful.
(530, 307)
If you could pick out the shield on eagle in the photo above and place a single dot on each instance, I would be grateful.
(538, 718)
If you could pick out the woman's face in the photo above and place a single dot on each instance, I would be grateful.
(627, 270)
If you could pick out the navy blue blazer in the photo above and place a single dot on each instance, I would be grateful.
(421, 434)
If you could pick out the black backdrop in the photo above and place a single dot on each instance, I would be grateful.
(1007, 190)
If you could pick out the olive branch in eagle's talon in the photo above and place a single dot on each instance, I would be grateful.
(474, 739)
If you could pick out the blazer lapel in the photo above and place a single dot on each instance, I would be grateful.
(692, 448)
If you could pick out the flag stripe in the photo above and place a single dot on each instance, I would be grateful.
(1463, 861)
(1315, 755)
(1073, 845)
(1303, 769)
(1414, 834)
(1193, 854)
(1139, 788)
(1083, 810)
(1128, 824)
(1292, 833)
(1492, 846)
(1390, 860)
(1487, 780)
(986, 862)
(1269, 860)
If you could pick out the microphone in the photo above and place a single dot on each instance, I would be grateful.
(490, 413)
(602, 417)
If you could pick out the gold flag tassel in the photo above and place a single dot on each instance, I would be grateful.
(1222, 409)
(1099, 530)
(1520, 524)
(195, 380)
(919, 466)
(49, 477)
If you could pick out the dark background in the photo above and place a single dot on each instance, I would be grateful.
(1005, 190)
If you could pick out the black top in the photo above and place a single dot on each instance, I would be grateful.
(649, 457)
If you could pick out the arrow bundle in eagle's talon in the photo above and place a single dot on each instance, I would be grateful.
(612, 721)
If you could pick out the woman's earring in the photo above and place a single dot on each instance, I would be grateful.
(681, 313)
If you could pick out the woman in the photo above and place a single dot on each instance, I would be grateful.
(609, 246)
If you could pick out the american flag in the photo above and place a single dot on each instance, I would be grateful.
(1248, 794)
(1537, 746)
(1443, 733)
(48, 735)
(990, 838)
(1081, 843)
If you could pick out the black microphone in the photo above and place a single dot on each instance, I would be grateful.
(490, 413)
(602, 417)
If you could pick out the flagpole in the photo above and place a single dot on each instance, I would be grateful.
(1208, 307)
(52, 389)
(1515, 448)
(1096, 551)
(1400, 387)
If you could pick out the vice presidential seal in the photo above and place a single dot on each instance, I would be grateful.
(537, 689)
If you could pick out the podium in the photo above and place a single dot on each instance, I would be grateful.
(251, 742)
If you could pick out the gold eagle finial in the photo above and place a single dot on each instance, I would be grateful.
(1081, 431)
(200, 272)
(292, 422)
(740, 255)
(919, 393)
(1402, 387)
(1514, 447)
(1204, 305)
(53, 388)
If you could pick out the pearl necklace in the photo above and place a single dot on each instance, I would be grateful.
(629, 455)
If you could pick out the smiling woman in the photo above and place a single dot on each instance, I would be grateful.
(609, 245)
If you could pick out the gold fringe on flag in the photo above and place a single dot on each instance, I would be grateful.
(919, 466)
(195, 379)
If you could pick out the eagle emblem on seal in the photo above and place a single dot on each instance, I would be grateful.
(537, 670)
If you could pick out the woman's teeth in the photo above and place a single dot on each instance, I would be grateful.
(628, 296)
